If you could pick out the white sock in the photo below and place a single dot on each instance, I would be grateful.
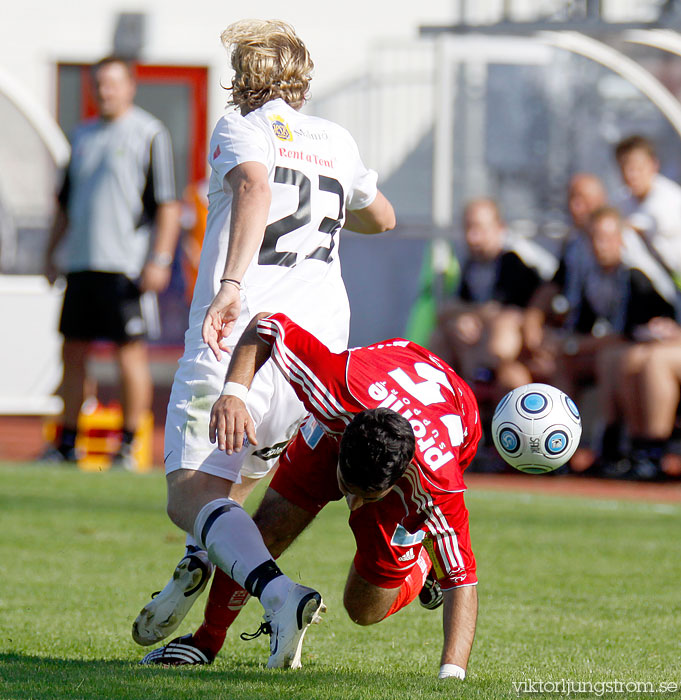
(235, 544)
(275, 592)
(191, 545)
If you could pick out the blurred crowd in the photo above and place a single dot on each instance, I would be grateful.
(601, 322)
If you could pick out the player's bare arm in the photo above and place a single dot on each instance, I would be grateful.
(459, 615)
(250, 207)
(229, 417)
(378, 217)
(156, 273)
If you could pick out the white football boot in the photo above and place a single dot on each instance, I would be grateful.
(302, 607)
(162, 615)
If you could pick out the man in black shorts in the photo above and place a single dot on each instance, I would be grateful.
(119, 220)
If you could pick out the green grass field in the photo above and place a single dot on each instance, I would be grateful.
(582, 590)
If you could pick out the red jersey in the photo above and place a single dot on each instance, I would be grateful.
(406, 378)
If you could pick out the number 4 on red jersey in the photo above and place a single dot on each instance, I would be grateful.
(395, 374)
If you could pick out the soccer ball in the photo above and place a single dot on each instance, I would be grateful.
(536, 428)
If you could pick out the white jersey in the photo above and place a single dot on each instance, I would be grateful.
(316, 174)
(659, 216)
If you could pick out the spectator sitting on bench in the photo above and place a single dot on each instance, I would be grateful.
(614, 300)
(479, 332)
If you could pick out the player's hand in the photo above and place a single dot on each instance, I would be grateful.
(229, 420)
(220, 318)
(154, 278)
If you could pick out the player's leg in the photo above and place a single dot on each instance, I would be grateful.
(367, 603)
(75, 325)
(304, 482)
(276, 412)
(74, 356)
(228, 539)
(234, 543)
(280, 522)
(196, 478)
(133, 321)
(279, 519)
(136, 395)
(136, 384)
(162, 615)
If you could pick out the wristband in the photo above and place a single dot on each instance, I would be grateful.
(235, 389)
(236, 283)
(161, 259)
(451, 671)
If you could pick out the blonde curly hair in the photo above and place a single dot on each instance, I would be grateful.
(269, 61)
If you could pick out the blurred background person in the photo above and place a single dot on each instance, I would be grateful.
(616, 383)
(586, 194)
(479, 332)
(652, 205)
(612, 302)
(119, 220)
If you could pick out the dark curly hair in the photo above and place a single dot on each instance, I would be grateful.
(375, 449)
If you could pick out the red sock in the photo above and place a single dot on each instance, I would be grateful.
(225, 601)
(412, 585)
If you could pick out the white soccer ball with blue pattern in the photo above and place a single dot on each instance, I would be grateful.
(536, 428)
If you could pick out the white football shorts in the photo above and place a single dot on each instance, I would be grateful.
(272, 403)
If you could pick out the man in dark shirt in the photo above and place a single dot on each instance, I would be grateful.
(617, 306)
(480, 330)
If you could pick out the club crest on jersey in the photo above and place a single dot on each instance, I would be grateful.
(281, 128)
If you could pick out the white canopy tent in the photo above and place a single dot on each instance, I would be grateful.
(32, 151)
